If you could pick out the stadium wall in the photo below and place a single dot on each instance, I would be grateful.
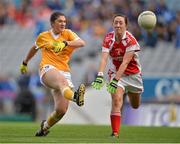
(151, 114)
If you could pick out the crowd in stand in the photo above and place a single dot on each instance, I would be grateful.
(93, 17)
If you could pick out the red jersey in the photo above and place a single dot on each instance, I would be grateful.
(117, 51)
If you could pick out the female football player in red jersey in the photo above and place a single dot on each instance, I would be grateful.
(124, 71)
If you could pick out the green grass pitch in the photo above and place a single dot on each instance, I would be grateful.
(18, 132)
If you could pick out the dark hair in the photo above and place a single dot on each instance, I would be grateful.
(121, 15)
(55, 15)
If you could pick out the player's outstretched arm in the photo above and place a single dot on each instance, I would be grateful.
(99, 81)
(127, 58)
(23, 67)
(59, 46)
(77, 43)
(112, 85)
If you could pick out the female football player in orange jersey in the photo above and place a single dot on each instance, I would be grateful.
(56, 47)
(124, 72)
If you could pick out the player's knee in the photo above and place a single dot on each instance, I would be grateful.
(116, 103)
(135, 106)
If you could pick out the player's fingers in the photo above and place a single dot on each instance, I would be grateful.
(98, 87)
(109, 90)
(113, 90)
(102, 84)
(94, 86)
(22, 72)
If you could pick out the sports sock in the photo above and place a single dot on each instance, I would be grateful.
(115, 122)
(51, 120)
(68, 93)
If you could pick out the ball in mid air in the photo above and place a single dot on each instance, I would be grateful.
(147, 20)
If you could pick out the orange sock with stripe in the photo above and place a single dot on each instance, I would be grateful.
(52, 119)
(68, 93)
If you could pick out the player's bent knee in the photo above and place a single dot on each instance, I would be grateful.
(135, 106)
(116, 103)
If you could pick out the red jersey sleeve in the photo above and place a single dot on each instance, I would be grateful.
(107, 42)
(132, 43)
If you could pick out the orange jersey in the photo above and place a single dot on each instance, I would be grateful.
(59, 60)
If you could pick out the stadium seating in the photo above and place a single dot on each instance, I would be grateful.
(15, 42)
(162, 60)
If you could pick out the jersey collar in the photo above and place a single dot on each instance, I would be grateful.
(123, 37)
(55, 36)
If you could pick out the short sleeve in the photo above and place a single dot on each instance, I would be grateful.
(107, 43)
(72, 35)
(39, 41)
(133, 46)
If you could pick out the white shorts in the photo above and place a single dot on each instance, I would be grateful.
(46, 68)
(129, 83)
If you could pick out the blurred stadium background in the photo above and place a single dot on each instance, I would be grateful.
(22, 98)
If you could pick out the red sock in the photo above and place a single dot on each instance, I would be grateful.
(115, 122)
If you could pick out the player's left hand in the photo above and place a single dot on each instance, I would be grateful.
(23, 68)
(98, 82)
(112, 86)
(59, 46)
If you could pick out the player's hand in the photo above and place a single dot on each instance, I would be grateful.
(98, 82)
(23, 68)
(112, 86)
(59, 46)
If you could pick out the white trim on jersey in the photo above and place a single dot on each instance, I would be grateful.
(105, 49)
(136, 58)
(36, 46)
(113, 40)
(39, 47)
(124, 35)
(77, 38)
(133, 48)
(55, 36)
